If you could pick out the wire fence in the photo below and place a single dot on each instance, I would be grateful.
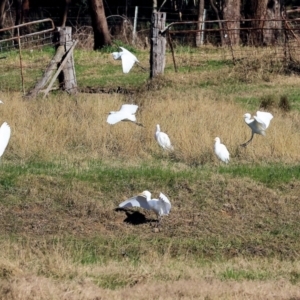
(274, 48)
(279, 43)
(18, 44)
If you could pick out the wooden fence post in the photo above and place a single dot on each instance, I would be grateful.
(67, 78)
(63, 62)
(158, 44)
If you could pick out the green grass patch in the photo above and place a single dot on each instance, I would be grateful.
(112, 281)
(271, 175)
(241, 274)
(98, 72)
(97, 171)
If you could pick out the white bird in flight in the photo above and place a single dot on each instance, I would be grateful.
(126, 113)
(128, 59)
(163, 139)
(258, 125)
(160, 206)
(5, 133)
(221, 151)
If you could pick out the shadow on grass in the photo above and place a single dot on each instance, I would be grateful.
(135, 217)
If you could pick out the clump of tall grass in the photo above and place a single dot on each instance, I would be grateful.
(284, 103)
(259, 66)
(267, 102)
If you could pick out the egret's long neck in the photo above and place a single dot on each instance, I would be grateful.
(248, 120)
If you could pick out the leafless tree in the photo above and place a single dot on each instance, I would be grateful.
(22, 9)
(65, 12)
(217, 12)
(200, 19)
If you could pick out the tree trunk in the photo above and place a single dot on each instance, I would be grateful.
(154, 6)
(199, 42)
(263, 11)
(22, 9)
(2, 14)
(99, 23)
(273, 28)
(18, 9)
(231, 12)
(65, 12)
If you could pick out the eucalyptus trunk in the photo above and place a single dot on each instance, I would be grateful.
(231, 16)
(2, 14)
(99, 23)
(267, 23)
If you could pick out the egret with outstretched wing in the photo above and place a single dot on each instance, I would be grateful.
(161, 206)
(128, 59)
(258, 124)
(126, 113)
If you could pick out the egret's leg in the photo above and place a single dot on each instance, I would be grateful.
(144, 69)
(159, 221)
(246, 143)
(139, 124)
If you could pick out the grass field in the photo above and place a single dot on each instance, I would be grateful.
(233, 231)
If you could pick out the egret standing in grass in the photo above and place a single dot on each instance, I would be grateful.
(4, 137)
(163, 139)
(5, 133)
(221, 151)
(258, 124)
(160, 206)
(126, 113)
(128, 59)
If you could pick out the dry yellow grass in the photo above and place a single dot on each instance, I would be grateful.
(31, 274)
(42, 288)
(76, 128)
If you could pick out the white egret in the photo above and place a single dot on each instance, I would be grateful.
(221, 151)
(258, 125)
(4, 137)
(163, 139)
(128, 59)
(160, 206)
(126, 113)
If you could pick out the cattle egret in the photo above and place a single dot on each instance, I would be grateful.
(4, 137)
(221, 151)
(126, 113)
(128, 59)
(163, 139)
(160, 206)
(258, 125)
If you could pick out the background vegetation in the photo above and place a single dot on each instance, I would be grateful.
(233, 230)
